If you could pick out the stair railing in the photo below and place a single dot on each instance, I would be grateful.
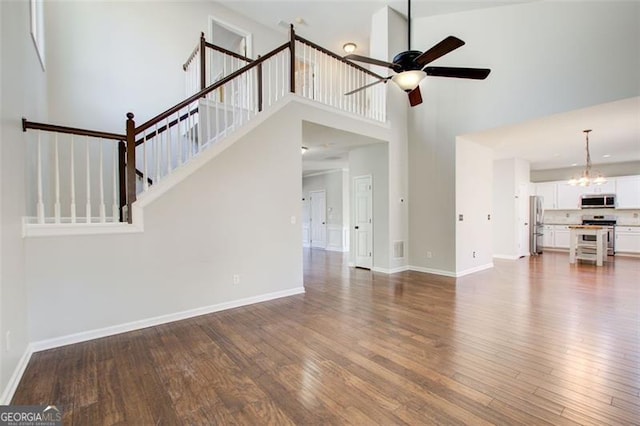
(207, 63)
(66, 160)
(148, 153)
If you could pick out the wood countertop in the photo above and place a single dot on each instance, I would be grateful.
(586, 227)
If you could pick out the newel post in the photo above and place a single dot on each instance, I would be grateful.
(131, 165)
(203, 63)
(259, 77)
(292, 64)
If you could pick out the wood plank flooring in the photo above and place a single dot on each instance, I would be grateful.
(533, 341)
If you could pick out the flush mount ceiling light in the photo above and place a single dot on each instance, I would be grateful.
(349, 47)
(586, 179)
(304, 149)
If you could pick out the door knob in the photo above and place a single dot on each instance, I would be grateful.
(357, 227)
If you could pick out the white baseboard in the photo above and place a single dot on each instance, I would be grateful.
(12, 385)
(337, 249)
(506, 256)
(475, 269)
(450, 273)
(432, 271)
(390, 270)
(163, 319)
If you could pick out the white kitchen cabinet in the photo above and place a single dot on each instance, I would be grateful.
(609, 187)
(548, 192)
(628, 239)
(628, 192)
(561, 236)
(547, 236)
(569, 196)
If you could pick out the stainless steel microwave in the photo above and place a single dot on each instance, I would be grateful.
(598, 201)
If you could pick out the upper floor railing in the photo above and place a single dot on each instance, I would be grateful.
(115, 168)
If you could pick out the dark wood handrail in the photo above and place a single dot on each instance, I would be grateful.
(338, 57)
(165, 127)
(141, 175)
(209, 89)
(26, 124)
(227, 52)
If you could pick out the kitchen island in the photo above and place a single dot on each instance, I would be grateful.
(588, 248)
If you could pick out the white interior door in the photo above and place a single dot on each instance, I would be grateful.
(363, 226)
(318, 212)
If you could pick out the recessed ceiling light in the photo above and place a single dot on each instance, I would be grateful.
(607, 155)
(349, 47)
(574, 164)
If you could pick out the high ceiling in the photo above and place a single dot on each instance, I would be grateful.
(332, 23)
(558, 141)
(547, 143)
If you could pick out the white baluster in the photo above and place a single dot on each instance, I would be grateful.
(277, 77)
(180, 140)
(114, 183)
(207, 104)
(157, 151)
(268, 79)
(40, 203)
(72, 173)
(169, 156)
(103, 210)
(218, 130)
(56, 206)
(145, 173)
(88, 160)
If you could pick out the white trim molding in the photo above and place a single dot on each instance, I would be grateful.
(12, 385)
(475, 269)
(391, 270)
(506, 256)
(432, 271)
(162, 319)
(337, 238)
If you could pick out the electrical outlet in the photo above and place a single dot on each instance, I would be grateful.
(429, 255)
(236, 279)
(474, 254)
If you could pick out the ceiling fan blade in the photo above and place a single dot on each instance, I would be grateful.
(371, 61)
(384, 80)
(472, 73)
(447, 45)
(415, 97)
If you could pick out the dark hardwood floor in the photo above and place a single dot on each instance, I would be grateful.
(532, 341)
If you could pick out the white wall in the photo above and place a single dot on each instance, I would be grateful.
(474, 247)
(546, 58)
(114, 57)
(508, 176)
(23, 92)
(196, 238)
(373, 160)
(388, 37)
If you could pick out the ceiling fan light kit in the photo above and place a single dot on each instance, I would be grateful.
(411, 67)
(586, 179)
(409, 80)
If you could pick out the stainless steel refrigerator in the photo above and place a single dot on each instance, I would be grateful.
(535, 225)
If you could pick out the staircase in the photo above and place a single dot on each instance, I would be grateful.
(86, 177)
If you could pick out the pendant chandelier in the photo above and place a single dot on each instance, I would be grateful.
(586, 179)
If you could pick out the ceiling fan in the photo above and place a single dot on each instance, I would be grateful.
(411, 67)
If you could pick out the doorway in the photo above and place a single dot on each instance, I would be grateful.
(318, 219)
(363, 224)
